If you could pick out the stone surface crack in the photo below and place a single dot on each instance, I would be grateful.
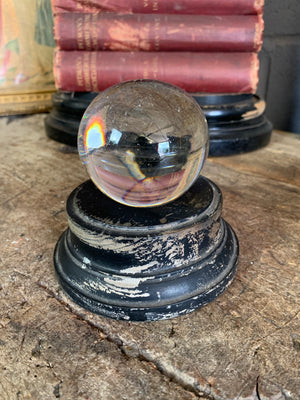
(283, 393)
(278, 328)
(15, 196)
(257, 388)
(202, 389)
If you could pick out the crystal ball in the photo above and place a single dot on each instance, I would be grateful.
(143, 142)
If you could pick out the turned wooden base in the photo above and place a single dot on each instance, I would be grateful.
(236, 122)
(146, 264)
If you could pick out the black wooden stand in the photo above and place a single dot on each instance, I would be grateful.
(236, 122)
(146, 264)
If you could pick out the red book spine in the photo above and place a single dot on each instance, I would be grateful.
(148, 32)
(193, 7)
(85, 71)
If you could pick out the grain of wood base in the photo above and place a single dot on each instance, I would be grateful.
(244, 345)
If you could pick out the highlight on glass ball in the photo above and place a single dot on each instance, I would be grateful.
(143, 142)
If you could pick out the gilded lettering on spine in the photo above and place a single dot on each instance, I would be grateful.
(145, 70)
(86, 33)
(156, 33)
(86, 71)
(94, 71)
(79, 31)
(155, 67)
(94, 35)
(79, 72)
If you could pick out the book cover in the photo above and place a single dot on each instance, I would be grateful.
(150, 32)
(86, 71)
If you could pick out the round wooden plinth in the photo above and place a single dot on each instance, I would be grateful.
(146, 264)
(236, 122)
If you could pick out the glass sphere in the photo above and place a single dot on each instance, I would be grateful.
(143, 142)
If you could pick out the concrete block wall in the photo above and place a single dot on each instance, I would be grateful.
(279, 81)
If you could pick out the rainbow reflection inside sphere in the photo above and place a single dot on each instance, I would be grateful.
(143, 142)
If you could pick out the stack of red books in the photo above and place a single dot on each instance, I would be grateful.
(208, 46)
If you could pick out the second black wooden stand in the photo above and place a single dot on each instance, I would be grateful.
(236, 122)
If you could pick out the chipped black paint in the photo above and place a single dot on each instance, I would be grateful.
(146, 264)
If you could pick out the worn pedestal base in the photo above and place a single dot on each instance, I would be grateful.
(145, 264)
(236, 122)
